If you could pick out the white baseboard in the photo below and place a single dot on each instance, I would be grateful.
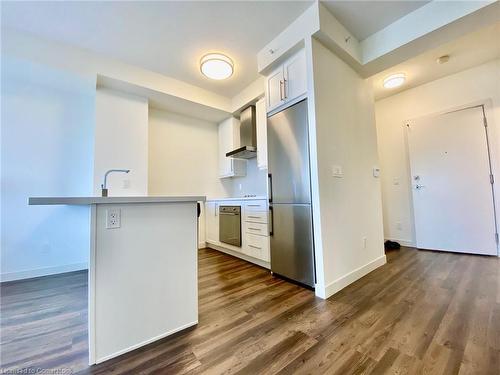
(28, 274)
(349, 278)
(202, 245)
(408, 243)
(146, 342)
(239, 255)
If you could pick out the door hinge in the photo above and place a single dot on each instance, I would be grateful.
(492, 179)
(485, 122)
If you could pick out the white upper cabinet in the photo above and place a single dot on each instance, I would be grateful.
(287, 82)
(229, 139)
(261, 128)
(274, 88)
(295, 78)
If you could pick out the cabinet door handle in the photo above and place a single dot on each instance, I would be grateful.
(254, 229)
(253, 205)
(284, 88)
(255, 247)
(281, 90)
(254, 217)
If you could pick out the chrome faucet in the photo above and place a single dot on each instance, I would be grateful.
(104, 186)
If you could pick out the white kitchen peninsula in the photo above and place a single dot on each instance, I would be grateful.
(142, 269)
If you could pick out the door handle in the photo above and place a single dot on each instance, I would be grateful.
(271, 221)
(270, 180)
(418, 187)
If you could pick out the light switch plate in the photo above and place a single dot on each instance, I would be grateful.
(113, 218)
(376, 172)
(337, 171)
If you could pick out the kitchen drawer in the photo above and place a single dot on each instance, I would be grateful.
(257, 205)
(256, 228)
(255, 216)
(258, 246)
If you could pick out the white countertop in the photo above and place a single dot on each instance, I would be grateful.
(109, 200)
(237, 199)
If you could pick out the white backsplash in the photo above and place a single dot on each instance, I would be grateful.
(253, 183)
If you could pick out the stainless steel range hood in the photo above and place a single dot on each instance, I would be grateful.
(248, 137)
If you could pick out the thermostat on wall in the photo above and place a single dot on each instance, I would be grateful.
(337, 171)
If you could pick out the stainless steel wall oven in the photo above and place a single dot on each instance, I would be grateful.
(230, 225)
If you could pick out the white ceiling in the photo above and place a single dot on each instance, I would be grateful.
(364, 18)
(466, 52)
(167, 37)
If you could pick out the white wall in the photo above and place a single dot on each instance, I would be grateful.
(183, 159)
(472, 86)
(347, 211)
(47, 150)
(121, 142)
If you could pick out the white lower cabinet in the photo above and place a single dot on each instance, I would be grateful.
(254, 228)
(255, 217)
(212, 222)
(258, 246)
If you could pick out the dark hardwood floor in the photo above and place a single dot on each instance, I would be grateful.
(423, 312)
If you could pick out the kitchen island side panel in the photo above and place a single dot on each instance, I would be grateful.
(145, 276)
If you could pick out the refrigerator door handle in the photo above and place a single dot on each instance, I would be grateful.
(270, 190)
(271, 219)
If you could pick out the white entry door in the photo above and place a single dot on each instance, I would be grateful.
(452, 191)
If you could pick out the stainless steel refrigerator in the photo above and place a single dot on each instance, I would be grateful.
(292, 245)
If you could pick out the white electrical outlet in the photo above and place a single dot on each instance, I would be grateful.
(113, 218)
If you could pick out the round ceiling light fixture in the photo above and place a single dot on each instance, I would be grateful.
(394, 80)
(216, 66)
(443, 59)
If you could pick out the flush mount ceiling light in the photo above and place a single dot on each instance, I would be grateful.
(443, 59)
(216, 66)
(394, 80)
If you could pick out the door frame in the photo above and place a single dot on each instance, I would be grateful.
(493, 136)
